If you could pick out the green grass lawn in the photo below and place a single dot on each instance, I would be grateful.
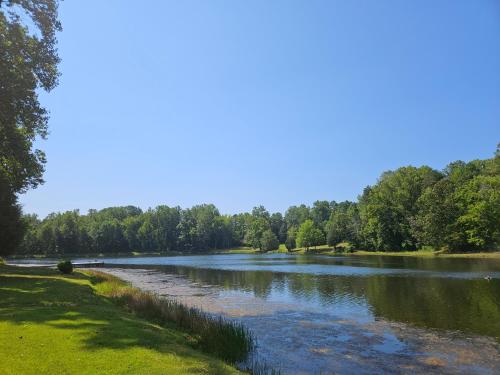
(427, 253)
(328, 250)
(237, 250)
(320, 249)
(54, 324)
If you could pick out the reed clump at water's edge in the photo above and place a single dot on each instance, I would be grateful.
(228, 340)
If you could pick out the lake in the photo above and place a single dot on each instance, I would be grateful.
(346, 314)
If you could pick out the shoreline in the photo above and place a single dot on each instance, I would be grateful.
(435, 255)
(312, 252)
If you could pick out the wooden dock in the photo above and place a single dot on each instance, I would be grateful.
(88, 264)
(54, 264)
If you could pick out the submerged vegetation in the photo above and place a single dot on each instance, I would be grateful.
(457, 209)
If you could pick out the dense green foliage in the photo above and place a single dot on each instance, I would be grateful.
(309, 235)
(269, 241)
(344, 224)
(290, 242)
(457, 209)
(388, 207)
(65, 267)
(124, 229)
(28, 63)
(11, 225)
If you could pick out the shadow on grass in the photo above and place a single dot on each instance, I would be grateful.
(44, 297)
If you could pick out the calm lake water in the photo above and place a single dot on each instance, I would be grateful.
(353, 314)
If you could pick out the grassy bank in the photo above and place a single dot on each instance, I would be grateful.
(431, 254)
(329, 250)
(54, 324)
(227, 340)
(237, 250)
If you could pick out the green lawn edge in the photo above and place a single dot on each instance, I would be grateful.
(60, 324)
(329, 250)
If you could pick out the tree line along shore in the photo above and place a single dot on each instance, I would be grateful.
(453, 210)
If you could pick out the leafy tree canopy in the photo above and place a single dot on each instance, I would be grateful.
(28, 61)
(309, 235)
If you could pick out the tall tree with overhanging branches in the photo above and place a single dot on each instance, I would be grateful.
(28, 63)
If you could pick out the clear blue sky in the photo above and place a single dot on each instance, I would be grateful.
(241, 103)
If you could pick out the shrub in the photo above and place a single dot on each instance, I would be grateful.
(269, 241)
(65, 266)
(290, 243)
(344, 247)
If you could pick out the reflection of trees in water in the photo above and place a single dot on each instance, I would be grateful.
(455, 304)
(326, 290)
(436, 302)
(259, 282)
(408, 262)
(438, 264)
(323, 289)
(329, 286)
